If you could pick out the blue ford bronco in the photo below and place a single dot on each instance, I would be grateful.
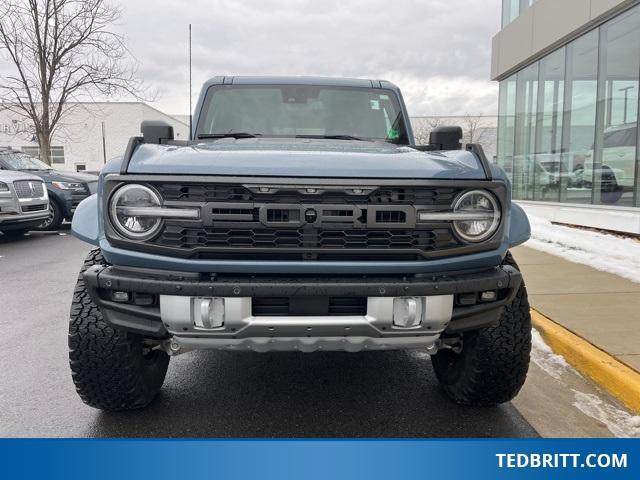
(300, 217)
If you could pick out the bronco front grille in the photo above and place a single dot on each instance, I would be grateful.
(355, 221)
(180, 236)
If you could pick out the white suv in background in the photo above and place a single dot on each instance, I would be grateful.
(24, 202)
(618, 157)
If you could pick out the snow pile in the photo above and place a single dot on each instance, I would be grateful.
(542, 355)
(620, 256)
(620, 423)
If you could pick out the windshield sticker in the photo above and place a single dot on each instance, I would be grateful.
(375, 105)
(384, 97)
(393, 134)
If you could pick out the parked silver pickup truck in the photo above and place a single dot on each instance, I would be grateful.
(24, 202)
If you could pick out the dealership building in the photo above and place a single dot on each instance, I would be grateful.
(568, 116)
(89, 135)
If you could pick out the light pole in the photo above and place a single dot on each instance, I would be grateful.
(104, 144)
(626, 99)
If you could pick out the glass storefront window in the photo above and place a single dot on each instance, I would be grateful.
(579, 118)
(506, 124)
(615, 153)
(572, 118)
(511, 9)
(547, 165)
(525, 133)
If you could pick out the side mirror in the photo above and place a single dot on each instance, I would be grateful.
(156, 131)
(446, 138)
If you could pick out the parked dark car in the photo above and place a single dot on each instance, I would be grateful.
(66, 189)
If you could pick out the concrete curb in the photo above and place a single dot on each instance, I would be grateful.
(612, 375)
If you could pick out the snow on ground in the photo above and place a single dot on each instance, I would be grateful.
(620, 256)
(542, 355)
(622, 424)
(618, 421)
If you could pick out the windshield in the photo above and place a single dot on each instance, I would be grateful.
(303, 111)
(22, 161)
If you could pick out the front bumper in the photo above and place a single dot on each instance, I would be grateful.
(24, 213)
(19, 221)
(165, 292)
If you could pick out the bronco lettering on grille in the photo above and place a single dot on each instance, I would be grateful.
(317, 215)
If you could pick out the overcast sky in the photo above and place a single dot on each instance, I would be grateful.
(437, 51)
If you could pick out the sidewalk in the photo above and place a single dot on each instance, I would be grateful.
(602, 308)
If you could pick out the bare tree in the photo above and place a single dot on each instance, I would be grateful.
(434, 122)
(420, 130)
(422, 127)
(475, 128)
(61, 51)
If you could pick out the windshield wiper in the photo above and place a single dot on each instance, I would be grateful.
(229, 135)
(333, 137)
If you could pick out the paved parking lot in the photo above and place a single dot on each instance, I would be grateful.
(239, 394)
(210, 393)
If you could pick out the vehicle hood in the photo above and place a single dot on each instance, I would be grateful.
(13, 175)
(304, 158)
(58, 176)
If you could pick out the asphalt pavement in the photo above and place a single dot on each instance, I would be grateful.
(211, 394)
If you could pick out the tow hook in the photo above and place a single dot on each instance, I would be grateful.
(171, 347)
(454, 344)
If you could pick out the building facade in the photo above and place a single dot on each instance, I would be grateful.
(89, 135)
(568, 112)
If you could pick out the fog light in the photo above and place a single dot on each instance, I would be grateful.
(208, 313)
(143, 299)
(120, 297)
(489, 296)
(467, 299)
(407, 312)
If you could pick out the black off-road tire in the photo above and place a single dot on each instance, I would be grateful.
(493, 363)
(112, 369)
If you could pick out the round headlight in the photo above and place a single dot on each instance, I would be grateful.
(131, 225)
(478, 216)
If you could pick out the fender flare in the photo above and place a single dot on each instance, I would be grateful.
(85, 221)
(519, 227)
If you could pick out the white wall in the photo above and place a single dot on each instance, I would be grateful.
(81, 131)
